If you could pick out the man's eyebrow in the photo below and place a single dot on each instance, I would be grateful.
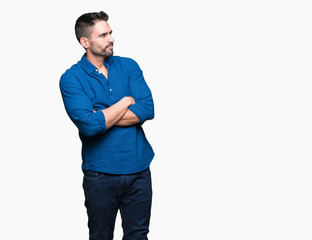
(105, 33)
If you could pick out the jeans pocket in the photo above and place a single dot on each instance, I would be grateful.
(92, 175)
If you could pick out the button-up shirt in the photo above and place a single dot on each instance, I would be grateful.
(117, 150)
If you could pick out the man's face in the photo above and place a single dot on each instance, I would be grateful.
(101, 40)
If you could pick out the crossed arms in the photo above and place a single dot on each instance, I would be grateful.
(130, 110)
(119, 114)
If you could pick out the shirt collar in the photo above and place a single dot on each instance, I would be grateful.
(89, 66)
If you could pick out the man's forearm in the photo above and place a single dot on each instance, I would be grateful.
(115, 113)
(128, 119)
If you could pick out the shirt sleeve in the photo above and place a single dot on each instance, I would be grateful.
(79, 107)
(144, 105)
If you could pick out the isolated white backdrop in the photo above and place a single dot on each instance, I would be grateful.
(231, 81)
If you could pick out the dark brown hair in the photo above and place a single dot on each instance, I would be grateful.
(86, 21)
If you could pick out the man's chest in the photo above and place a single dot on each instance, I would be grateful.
(104, 91)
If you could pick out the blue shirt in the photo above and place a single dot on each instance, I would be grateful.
(118, 150)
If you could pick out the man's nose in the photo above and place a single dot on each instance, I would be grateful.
(111, 39)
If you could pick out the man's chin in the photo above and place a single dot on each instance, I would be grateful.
(109, 53)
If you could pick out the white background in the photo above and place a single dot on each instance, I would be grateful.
(231, 81)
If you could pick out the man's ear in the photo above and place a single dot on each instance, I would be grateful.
(84, 42)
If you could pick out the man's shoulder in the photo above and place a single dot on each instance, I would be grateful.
(70, 76)
(124, 61)
(73, 71)
(74, 68)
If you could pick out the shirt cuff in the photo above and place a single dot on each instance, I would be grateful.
(136, 111)
(101, 118)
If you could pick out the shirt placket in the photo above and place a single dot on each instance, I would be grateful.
(109, 87)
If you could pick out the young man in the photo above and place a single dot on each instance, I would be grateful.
(108, 99)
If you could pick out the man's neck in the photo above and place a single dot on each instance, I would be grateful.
(97, 61)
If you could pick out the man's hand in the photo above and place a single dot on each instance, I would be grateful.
(129, 118)
(129, 100)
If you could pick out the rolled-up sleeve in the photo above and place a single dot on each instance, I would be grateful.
(79, 107)
(144, 105)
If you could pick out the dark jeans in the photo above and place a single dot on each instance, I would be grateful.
(106, 193)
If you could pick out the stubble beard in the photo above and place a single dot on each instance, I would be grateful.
(103, 52)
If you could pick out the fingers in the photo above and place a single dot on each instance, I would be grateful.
(132, 100)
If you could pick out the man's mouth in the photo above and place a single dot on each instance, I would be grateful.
(110, 46)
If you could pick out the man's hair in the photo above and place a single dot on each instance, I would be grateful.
(85, 23)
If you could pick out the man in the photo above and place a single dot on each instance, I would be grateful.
(108, 99)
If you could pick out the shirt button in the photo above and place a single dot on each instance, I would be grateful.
(110, 90)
